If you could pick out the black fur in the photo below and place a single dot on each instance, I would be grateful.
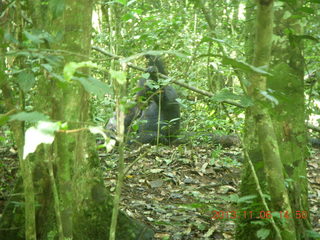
(162, 102)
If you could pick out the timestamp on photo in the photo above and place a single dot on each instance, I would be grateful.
(258, 215)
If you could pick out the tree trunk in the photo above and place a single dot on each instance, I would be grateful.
(72, 200)
(290, 114)
(272, 179)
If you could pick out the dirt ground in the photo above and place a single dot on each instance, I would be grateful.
(175, 189)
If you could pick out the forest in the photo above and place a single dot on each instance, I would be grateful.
(142, 119)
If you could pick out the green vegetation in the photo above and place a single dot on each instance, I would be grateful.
(78, 80)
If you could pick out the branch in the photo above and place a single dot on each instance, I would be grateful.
(182, 84)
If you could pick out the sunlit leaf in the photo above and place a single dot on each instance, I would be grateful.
(71, 67)
(225, 95)
(263, 233)
(270, 97)
(43, 132)
(47, 67)
(246, 199)
(123, 2)
(109, 143)
(33, 38)
(308, 37)
(3, 119)
(26, 80)
(57, 8)
(69, 70)
(313, 235)
(29, 116)
(244, 66)
(120, 76)
(94, 86)
(307, 10)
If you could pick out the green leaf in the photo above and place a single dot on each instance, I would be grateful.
(47, 67)
(263, 233)
(26, 80)
(246, 199)
(225, 95)
(29, 116)
(57, 8)
(43, 132)
(308, 37)
(69, 70)
(269, 97)
(244, 66)
(211, 39)
(313, 235)
(10, 38)
(36, 39)
(123, 2)
(120, 76)
(58, 77)
(71, 67)
(3, 119)
(108, 142)
(131, 2)
(307, 10)
(94, 86)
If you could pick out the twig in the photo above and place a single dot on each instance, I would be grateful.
(182, 84)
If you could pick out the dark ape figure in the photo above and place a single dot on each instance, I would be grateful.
(162, 102)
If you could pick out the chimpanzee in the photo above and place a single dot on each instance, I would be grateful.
(163, 102)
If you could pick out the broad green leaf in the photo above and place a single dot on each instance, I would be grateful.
(10, 38)
(26, 80)
(211, 39)
(258, 223)
(127, 17)
(276, 215)
(247, 198)
(313, 234)
(69, 70)
(108, 142)
(308, 37)
(29, 116)
(57, 8)
(47, 67)
(120, 76)
(36, 39)
(43, 132)
(94, 86)
(287, 15)
(3, 119)
(138, 11)
(244, 66)
(71, 67)
(225, 95)
(123, 2)
(145, 75)
(269, 97)
(263, 233)
(307, 10)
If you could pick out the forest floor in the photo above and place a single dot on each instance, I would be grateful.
(176, 189)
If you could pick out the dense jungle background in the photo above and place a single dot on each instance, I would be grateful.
(131, 119)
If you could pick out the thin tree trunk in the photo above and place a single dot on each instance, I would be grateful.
(265, 132)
